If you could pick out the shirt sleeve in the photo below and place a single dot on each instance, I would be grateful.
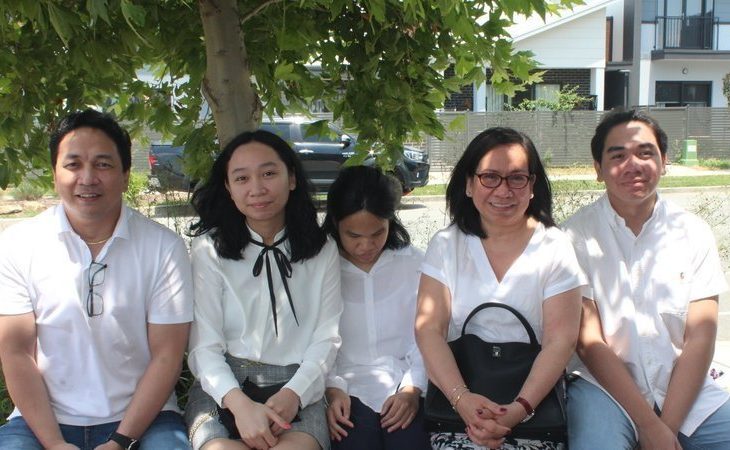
(309, 380)
(416, 373)
(708, 279)
(207, 344)
(436, 261)
(172, 298)
(13, 285)
(335, 380)
(565, 273)
(581, 255)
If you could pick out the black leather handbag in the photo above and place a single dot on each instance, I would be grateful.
(498, 371)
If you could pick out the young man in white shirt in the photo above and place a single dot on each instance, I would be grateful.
(650, 309)
(95, 307)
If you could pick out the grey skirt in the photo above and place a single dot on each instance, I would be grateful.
(201, 413)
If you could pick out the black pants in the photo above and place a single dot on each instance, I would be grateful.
(369, 435)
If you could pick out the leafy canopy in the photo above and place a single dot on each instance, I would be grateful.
(381, 66)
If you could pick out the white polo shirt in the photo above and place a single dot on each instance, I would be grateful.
(91, 365)
(545, 268)
(643, 286)
(379, 352)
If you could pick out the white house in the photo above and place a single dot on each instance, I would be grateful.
(624, 53)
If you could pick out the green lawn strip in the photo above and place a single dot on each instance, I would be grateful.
(591, 185)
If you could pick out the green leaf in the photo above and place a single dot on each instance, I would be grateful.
(458, 123)
(133, 14)
(98, 8)
(377, 9)
(285, 72)
(60, 22)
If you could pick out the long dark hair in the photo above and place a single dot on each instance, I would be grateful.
(219, 215)
(461, 208)
(361, 188)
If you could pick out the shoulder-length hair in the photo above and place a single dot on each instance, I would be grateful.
(219, 214)
(461, 208)
(362, 188)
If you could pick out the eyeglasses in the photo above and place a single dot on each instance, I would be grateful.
(94, 301)
(492, 180)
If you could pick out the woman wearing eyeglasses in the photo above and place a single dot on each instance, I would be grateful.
(502, 246)
(267, 303)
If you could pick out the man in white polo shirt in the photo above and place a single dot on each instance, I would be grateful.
(95, 307)
(650, 309)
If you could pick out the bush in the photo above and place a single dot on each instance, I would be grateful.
(138, 185)
(714, 163)
(29, 190)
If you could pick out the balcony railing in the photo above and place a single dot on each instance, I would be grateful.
(682, 32)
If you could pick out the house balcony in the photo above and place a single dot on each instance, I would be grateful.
(683, 37)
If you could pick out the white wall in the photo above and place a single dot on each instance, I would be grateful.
(598, 86)
(668, 70)
(580, 43)
(648, 39)
(616, 10)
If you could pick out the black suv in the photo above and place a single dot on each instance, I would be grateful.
(322, 157)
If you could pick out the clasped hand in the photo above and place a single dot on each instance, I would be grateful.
(487, 423)
(261, 424)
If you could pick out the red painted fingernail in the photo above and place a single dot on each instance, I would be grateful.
(287, 426)
(503, 409)
(479, 411)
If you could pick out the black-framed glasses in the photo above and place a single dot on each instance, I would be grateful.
(94, 301)
(492, 180)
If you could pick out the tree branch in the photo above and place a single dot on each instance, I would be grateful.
(258, 9)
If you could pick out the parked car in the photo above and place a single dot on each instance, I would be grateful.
(322, 157)
(166, 168)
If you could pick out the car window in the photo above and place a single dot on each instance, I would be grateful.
(279, 129)
(332, 137)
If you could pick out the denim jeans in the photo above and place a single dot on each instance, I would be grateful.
(167, 432)
(595, 422)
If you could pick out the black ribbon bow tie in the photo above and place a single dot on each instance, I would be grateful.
(285, 270)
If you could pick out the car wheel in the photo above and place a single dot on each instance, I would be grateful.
(405, 190)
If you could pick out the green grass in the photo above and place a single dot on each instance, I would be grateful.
(714, 163)
(591, 185)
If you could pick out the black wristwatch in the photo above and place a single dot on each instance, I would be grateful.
(126, 442)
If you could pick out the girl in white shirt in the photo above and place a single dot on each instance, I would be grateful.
(375, 387)
(267, 303)
(502, 246)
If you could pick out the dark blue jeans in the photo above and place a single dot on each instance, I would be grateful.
(167, 432)
(369, 435)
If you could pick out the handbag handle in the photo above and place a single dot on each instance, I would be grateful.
(520, 317)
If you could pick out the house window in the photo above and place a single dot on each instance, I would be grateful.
(547, 92)
(494, 100)
(683, 93)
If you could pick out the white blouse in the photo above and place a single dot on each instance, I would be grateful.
(379, 353)
(233, 315)
(545, 268)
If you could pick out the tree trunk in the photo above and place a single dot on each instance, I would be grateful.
(227, 83)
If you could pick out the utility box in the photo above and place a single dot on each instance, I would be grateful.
(688, 155)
